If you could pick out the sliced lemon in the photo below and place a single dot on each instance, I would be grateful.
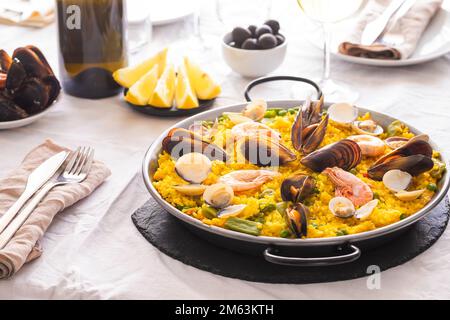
(204, 86)
(165, 89)
(184, 95)
(128, 76)
(140, 92)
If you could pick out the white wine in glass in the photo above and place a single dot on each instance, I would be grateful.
(327, 12)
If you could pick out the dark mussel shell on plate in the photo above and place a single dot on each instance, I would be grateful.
(297, 188)
(345, 154)
(297, 219)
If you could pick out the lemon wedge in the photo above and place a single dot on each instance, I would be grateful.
(165, 89)
(204, 86)
(140, 92)
(184, 95)
(128, 76)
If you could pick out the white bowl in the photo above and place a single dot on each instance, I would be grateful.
(253, 63)
(26, 121)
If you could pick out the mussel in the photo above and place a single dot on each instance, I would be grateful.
(414, 157)
(179, 142)
(308, 130)
(297, 219)
(345, 154)
(263, 151)
(297, 188)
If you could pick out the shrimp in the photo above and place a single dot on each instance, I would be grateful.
(349, 186)
(253, 129)
(244, 180)
(370, 146)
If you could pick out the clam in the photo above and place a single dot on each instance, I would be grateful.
(309, 129)
(369, 127)
(218, 195)
(237, 118)
(193, 167)
(296, 219)
(255, 110)
(344, 113)
(409, 195)
(366, 210)
(414, 157)
(296, 188)
(397, 180)
(345, 154)
(231, 211)
(263, 151)
(396, 142)
(191, 189)
(342, 207)
(179, 142)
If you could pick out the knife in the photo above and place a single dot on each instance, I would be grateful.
(36, 180)
(374, 28)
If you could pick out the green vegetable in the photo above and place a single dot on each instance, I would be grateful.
(403, 216)
(285, 234)
(271, 113)
(244, 226)
(282, 112)
(293, 110)
(209, 212)
(281, 207)
(341, 232)
(181, 208)
(376, 195)
(267, 192)
(438, 170)
(268, 208)
(354, 171)
(314, 225)
(432, 187)
(395, 128)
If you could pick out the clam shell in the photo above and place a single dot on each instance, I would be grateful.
(345, 154)
(193, 167)
(414, 165)
(218, 195)
(255, 110)
(344, 113)
(237, 118)
(366, 210)
(397, 180)
(409, 195)
(357, 126)
(191, 189)
(231, 211)
(342, 207)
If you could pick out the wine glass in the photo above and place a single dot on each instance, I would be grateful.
(328, 12)
(232, 13)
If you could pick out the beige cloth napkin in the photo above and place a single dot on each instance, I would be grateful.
(30, 13)
(25, 246)
(406, 31)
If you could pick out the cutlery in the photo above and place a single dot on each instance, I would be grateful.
(374, 28)
(35, 181)
(390, 37)
(75, 171)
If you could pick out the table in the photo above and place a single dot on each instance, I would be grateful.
(93, 251)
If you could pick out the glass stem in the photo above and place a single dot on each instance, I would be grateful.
(326, 52)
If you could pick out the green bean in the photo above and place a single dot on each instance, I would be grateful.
(244, 226)
(282, 112)
(271, 113)
(432, 187)
(285, 234)
(209, 212)
(293, 110)
(341, 232)
(403, 216)
(268, 208)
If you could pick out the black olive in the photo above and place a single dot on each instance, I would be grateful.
(274, 25)
(250, 44)
(263, 30)
(267, 41)
(252, 28)
(239, 35)
(280, 39)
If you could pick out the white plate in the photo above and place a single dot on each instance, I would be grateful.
(24, 122)
(434, 43)
(169, 11)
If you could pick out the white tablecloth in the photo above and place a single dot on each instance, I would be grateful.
(92, 250)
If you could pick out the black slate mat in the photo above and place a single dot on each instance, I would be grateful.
(172, 238)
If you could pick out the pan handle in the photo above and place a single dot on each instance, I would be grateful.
(271, 255)
(254, 83)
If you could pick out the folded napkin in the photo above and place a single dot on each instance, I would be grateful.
(30, 13)
(405, 31)
(25, 246)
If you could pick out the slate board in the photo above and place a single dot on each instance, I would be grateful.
(170, 236)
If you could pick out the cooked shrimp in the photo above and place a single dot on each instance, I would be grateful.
(253, 129)
(244, 180)
(349, 186)
(370, 146)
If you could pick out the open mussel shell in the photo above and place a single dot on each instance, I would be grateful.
(297, 188)
(264, 151)
(179, 142)
(315, 138)
(345, 154)
(414, 165)
(415, 146)
(296, 219)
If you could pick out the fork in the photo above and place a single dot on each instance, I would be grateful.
(76, 171)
